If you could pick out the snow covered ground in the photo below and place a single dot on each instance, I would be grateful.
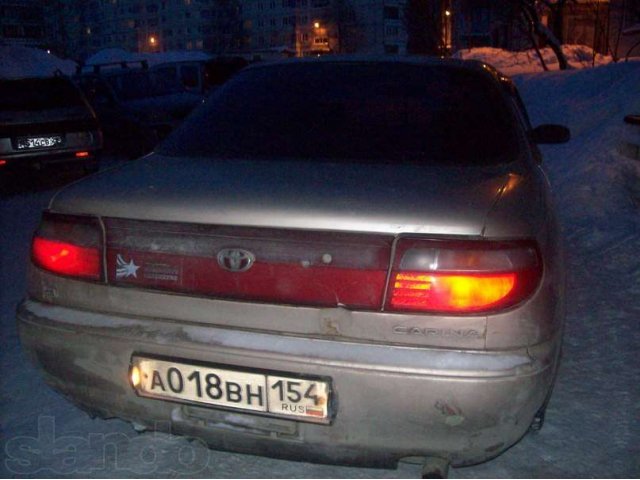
(527, 61)
(593, 421)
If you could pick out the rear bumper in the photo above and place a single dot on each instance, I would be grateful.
(391, 402)
(42, 160)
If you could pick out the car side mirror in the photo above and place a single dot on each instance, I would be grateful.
(550, 133)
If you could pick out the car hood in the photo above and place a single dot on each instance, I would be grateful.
(293, 194)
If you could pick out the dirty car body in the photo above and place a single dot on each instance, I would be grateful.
(337, 260)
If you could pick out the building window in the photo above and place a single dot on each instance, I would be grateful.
(12, 31)
(391, 49)
(392, 31)
(391, 13)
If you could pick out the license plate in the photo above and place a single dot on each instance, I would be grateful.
(49, 141)
(267, 393)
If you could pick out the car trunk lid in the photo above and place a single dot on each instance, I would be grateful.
(290, 194)
(287, 232)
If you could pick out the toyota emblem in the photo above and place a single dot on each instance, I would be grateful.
(235, 259)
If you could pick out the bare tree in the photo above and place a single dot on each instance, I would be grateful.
(622, 14)
(556, 9)
(530, 11)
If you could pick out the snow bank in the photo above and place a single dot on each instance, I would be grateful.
(110, 55)
(527, 61)
(21, 62)
(177, 56)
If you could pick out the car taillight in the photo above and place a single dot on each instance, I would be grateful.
(462, 277)
(69, 245)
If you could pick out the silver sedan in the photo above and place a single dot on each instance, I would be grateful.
(343, 260)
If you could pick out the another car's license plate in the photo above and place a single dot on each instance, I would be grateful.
(261, 392)
(26, 143)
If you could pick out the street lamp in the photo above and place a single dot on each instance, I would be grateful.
(446, 26)
(316, 25)
(153, 41)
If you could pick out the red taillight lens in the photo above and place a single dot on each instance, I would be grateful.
(68, 245)
(66, 259)
(462, 277)
(82, 154)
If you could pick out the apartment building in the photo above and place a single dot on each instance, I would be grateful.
(317, 27)
(82, 27)
(22, 23)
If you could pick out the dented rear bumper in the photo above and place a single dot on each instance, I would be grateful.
(390, 401)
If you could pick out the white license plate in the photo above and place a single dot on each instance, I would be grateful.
(49, 141)
(260, 392)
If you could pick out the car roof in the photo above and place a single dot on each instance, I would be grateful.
(482, 68)
(473, 65)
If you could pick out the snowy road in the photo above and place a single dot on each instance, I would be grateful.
(593, 421)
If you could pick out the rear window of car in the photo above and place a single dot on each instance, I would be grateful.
(388, 112)
(34, 94)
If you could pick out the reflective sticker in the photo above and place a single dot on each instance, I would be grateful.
(124, 269)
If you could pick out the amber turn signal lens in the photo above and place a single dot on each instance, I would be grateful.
(450, 292)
